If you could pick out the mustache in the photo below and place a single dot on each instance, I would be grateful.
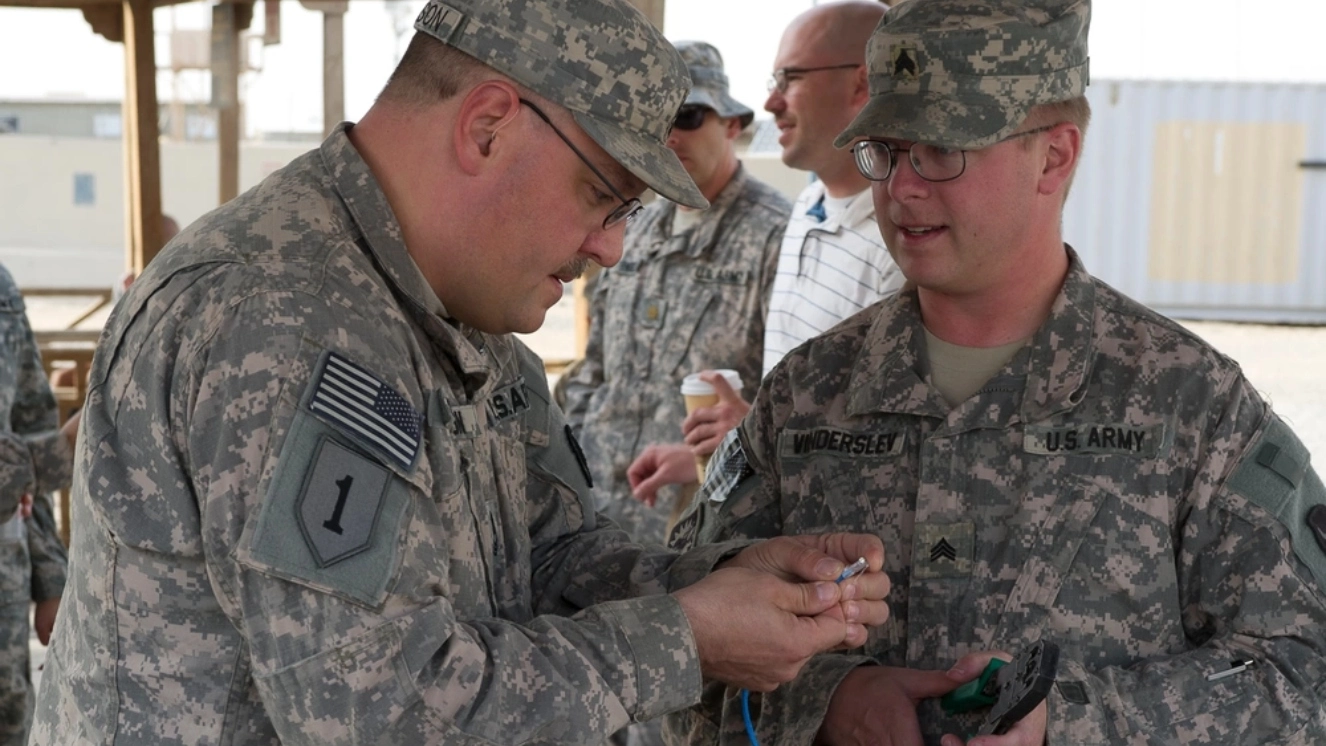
(573, 269)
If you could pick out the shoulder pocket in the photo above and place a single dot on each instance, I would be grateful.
(332, 517)
(1277, 475)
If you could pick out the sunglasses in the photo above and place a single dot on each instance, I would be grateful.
(690, 117)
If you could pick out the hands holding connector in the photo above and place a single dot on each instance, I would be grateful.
(765, 612)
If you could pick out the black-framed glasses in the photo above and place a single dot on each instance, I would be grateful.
(628, 208)
(690, 117)
(876, 159)
(778, 81)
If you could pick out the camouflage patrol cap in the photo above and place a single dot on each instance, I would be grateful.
(965, 73)
(600, 59)
(709, 82)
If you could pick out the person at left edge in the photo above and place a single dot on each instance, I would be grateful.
(321, 496)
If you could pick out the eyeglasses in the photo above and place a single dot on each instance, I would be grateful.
(690, 117)
(628, 208)
(876, 159)
(779, 80)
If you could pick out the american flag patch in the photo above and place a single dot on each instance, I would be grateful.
(367, 409)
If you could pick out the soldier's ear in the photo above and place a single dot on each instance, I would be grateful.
(488, 108)
(1062, 150)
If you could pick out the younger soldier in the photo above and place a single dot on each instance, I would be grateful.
(1053, 460)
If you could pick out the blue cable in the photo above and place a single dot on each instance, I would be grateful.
(853, 569)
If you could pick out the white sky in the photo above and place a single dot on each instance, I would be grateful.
(59, 56)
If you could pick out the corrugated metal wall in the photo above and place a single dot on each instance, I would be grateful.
(1193, 199)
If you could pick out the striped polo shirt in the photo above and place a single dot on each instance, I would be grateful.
(827, 269)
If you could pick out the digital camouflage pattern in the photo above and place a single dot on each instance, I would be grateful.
(965, 73)
(674, 305)
(208, 601)
(1106, 491)
(36, 460)
(709, 84)
(35, 457)
(601, 59)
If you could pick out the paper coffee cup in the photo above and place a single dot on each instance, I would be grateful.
(698, 393)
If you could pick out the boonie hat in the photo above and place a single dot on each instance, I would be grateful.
(709, 85)
(601, 59)
(965, 73)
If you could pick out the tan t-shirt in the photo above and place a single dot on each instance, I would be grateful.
(958, 371)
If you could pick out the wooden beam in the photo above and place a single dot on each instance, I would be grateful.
(333, 70)
(225, 97)
(142, 152)
(653, 10)
(333, 59)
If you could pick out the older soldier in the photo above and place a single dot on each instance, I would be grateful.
(322, 497)
(36, 457)
(690, 293)
(1055, 461)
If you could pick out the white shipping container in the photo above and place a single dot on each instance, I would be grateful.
(1206, 200)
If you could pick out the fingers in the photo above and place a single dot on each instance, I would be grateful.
(971, 665)
(848, 547)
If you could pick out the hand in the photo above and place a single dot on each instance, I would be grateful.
(1029, 731)
(25, 506)
(658, 465)
(876, 706)
(823, 557)
(704, 428)
(70, 428)
(755, 631)
(43, 618)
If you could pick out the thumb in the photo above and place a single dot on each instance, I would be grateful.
(724, 389)
(807, 599)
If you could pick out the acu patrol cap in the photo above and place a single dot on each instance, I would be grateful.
(965, 73)
(709, 85)
(600, 59)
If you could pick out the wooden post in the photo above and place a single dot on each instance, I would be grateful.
(333, 70)
(142, 149)
(653, 10)
(225, 97)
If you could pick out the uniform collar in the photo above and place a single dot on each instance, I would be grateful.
(885, 376)
(705, 232)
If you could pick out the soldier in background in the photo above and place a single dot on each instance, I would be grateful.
(832, 262)
(36, 458)
(1052, 460)
(691, 293)
(322, 496)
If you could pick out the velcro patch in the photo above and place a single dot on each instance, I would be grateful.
(722, 276)
(439, 20)
(1275, 473)
(943, 550)
(794, 444)
(507, 402)
(733, 469)
(362, 406)
(1143, 441)
(340, 502)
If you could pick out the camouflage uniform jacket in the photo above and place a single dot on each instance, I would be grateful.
(1119, 488)
(35, 457)
(310, 510)
(674, 305)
